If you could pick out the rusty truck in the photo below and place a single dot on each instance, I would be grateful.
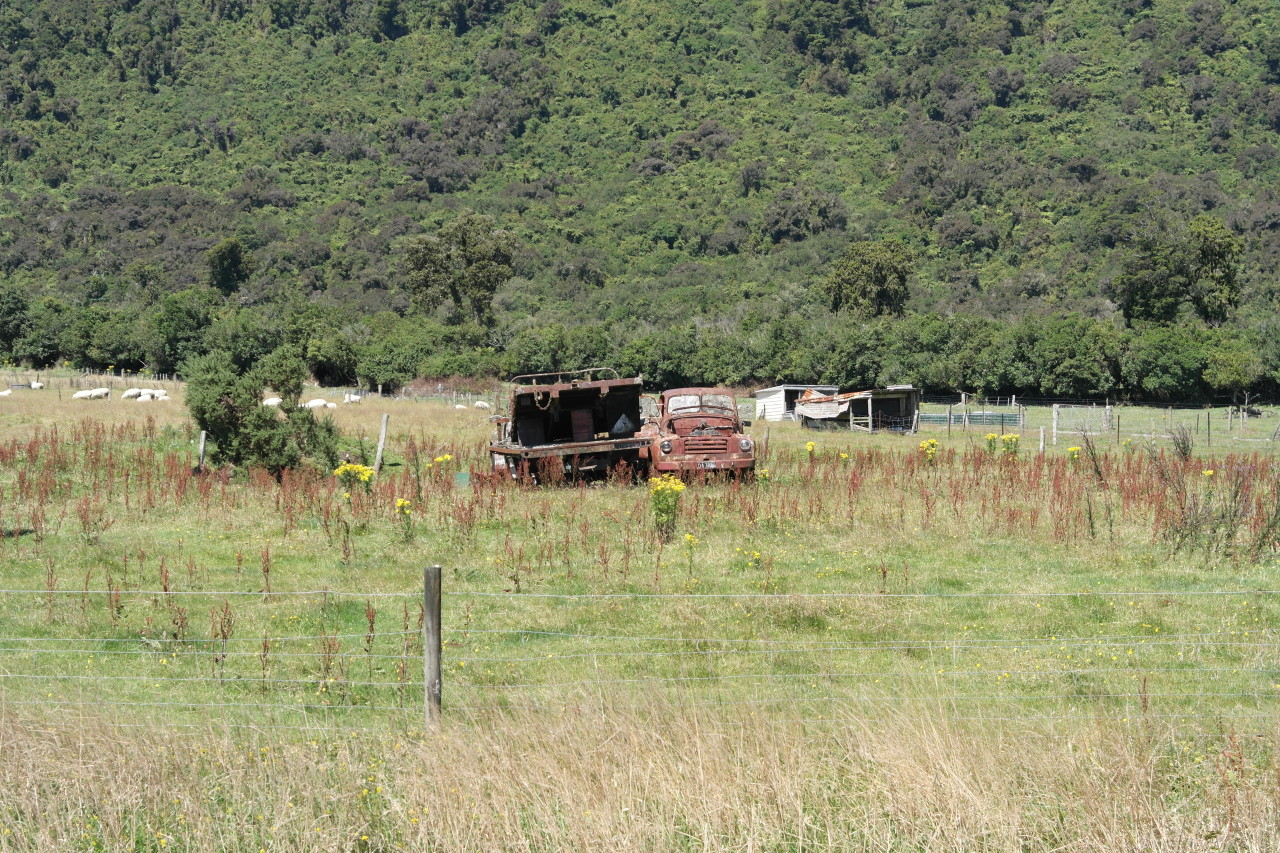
(698, 431)
(570, 424)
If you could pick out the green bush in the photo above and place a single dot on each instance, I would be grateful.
(227, 404)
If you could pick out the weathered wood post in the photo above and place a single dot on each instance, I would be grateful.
(203, 434)
(871, 424)
(382, 441)
(1055, 424)
(431, 645)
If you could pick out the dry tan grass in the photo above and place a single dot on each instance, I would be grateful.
(659, 779)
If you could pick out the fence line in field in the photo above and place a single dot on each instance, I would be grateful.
(1222, 673)
(771, 596)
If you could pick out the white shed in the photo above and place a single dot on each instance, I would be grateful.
(779, 402)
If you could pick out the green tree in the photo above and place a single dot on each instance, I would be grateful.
(48, 320)
(1165, 363)
(230, 265)
(176, 326)
(226, 403)
(464, 263)
(14, 319)
(1234, 366)
(1073, 356)
(283, 371)
(1194, 268)
(870, 279)
(333, 354)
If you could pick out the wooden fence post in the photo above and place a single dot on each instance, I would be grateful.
(203, 434)
(431, 645)
(382, 440)
(1055, 424)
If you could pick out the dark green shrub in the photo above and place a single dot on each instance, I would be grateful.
(227, 404)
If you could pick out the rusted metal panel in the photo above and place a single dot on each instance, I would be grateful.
(588, 419)
(699, 430)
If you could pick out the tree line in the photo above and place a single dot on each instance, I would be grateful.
(852, 329)
(711, 191)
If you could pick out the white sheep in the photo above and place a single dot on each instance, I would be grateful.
(36, 386)
(92, 394)
(145, 397)
(272, 401)
(351, 398)
(460, 406)
(481, 404)
(317, 403)
(6, 392)
(131, 394)
(331, 405)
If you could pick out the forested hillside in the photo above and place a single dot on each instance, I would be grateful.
(1058, 198)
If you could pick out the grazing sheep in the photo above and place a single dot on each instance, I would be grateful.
(36, 386)
(145, 397)
(272, 401)
(317, 403)
(131, 394)
(351, 398)
(331, 405)
(92, 394)
(460, 406)
(6, 392)
(481, 404)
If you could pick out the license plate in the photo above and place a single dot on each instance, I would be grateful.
(708, 463)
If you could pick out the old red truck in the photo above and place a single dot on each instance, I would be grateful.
(698, 430)
(570, 424)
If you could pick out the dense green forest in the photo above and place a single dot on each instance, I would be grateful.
(1071, 198)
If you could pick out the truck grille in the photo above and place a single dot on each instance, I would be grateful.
(705, 444)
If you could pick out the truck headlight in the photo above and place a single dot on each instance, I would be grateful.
(745, 444)
(664, 446)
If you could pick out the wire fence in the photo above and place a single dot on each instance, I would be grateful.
(1209, 428)
(329, 660)
(171, 658)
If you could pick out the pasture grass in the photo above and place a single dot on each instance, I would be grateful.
(862, 650)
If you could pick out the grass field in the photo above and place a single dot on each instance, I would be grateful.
(869, 648)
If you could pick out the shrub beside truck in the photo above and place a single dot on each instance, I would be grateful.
(588, 423)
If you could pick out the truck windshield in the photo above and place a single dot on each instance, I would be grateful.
(717, 404)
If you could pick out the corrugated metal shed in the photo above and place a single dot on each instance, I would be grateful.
(779, 402)
(893, 408)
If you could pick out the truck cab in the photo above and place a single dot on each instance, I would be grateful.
(699, 431)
